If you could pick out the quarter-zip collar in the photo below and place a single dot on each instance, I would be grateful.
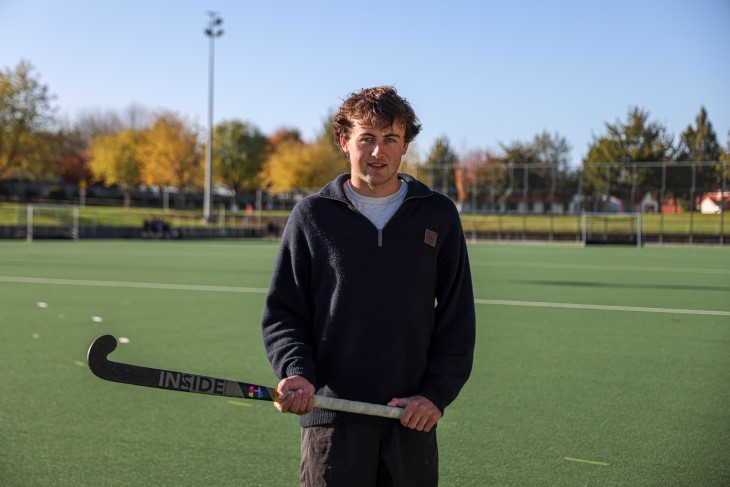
(334, 191)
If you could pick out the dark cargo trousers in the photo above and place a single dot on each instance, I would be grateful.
(368, 455)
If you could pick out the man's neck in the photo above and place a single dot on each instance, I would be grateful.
(375, 191)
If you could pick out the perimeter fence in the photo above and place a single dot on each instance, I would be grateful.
(670, 202)
(679, 202)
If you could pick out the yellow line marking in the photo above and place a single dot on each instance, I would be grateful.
(79, 363)
(592, 462)
(240, 403)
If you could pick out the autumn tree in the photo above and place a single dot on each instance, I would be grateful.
(26, 113)
(74, 139)
(115, 159)
(300, 165)
(171, 155)
(71, 156)
(295, 164)
(470, 173)
(284, 134)
(240, 151)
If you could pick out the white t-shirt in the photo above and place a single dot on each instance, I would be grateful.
(377, 210)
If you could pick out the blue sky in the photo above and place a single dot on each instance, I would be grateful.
(482, 73)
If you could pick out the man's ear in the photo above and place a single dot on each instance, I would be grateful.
(405, 148)
(343, 144)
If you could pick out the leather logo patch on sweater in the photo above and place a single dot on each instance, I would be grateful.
(431, 237)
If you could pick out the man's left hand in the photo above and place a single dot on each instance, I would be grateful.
(420, 413)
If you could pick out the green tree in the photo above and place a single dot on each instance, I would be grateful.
(26, 112)
(560, 180)
(605, 168)
(552, 149)
(518, 157)
(544, 160)
(115, 159)
(519, 152)
(240, 151)
(441, 163)
(699, 144)
(410, 163)
(725, 157)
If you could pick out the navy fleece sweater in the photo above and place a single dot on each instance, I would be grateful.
(369, 315)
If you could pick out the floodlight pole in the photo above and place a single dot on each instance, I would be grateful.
(212, 31)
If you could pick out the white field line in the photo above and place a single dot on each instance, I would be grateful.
(135, 285)
(256, 290)
(618, 268)
(602, 307)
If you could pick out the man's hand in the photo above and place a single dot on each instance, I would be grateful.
(420, 413)
(296, 395)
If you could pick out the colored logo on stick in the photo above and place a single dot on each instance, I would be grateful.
(255, 392)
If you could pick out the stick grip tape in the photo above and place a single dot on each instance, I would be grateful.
(357, 407)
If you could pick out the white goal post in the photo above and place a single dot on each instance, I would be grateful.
(51, 221)
(612, 228)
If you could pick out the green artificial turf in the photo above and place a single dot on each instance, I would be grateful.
(628, 383)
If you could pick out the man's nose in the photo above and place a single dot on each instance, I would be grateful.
(377, 150)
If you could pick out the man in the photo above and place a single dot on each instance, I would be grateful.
(371, 300)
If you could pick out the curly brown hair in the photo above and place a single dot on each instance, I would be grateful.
(380, 106)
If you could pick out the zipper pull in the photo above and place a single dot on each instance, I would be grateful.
(380, 238)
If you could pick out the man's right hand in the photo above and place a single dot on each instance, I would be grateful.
(296, 395)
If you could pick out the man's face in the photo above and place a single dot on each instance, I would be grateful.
(375, 155)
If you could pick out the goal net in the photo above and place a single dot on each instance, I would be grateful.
(49, 221)
(612, 229)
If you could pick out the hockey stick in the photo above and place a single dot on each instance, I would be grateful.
(137, 375)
